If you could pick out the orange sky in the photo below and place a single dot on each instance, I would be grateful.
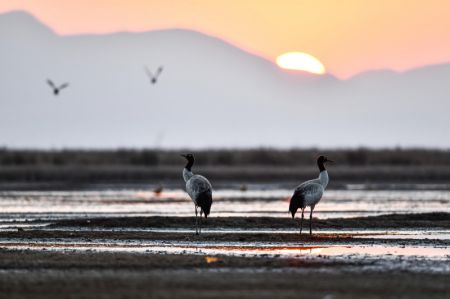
(348, 36)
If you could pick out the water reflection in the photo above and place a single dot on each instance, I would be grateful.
(229, 248)
(49, 205)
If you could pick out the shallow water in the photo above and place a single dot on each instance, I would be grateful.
(228, 248)
(52, 205)
(412, 258)
(18, 206)
(409, 234)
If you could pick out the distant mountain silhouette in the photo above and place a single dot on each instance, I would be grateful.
(226, 95)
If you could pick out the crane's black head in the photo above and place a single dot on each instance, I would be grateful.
(321, 161)
(190, 161)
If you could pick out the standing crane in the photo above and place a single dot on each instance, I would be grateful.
(199, 189)
(310, 193)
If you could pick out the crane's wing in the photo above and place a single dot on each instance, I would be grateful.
(308, 190)
(49, 82)
(147, 71)
(159, 71)
(200, 191)
(63, 85)
(305, 193)
(197, 185)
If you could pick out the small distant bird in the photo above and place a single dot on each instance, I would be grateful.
(153, 77)
(158, 190)
(243, 188)
(199, 189)
(55, 88)
(310, 192)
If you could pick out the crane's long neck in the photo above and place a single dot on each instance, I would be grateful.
(321, 166)
(187, 172)
(189, 164)
(323, 178)
(323, 175)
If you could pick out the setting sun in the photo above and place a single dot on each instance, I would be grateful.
(301, 62)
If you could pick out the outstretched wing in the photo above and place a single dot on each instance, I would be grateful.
(147, 71)
(49, 82)
(159, 71)
(63, 85)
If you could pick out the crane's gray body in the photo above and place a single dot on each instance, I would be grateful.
(309, 193)
(199, 189)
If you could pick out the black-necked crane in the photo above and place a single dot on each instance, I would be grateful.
(56, 89)
(310, 192)
(199, 189)
(153, 77)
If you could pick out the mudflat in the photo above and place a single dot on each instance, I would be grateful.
(390, 256)
(131, 275)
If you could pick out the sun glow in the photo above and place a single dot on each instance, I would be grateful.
(301, 62)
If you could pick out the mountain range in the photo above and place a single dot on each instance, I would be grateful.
(211, 94)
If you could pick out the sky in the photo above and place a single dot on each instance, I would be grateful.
(347, 36)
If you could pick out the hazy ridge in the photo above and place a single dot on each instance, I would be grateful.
(211, 94)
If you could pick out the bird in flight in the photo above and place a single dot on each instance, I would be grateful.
(153, 77)
(56, 89)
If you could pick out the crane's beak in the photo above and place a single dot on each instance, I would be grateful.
(331, 161)
(184, 156)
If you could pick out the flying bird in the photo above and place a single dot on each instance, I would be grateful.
(199, 189)
(310, 192)
(56, 89)
(153, 77)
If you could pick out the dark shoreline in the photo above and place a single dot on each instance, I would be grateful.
(150, 185)
(72, 168)
(76, 177)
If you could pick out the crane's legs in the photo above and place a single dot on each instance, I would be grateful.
(201, 215)
(196, 221)
(301, 221)
(310, 220)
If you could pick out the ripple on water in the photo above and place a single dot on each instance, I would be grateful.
(51, 205)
